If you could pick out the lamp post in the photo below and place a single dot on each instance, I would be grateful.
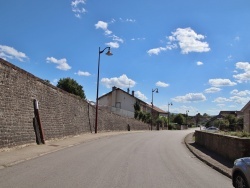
(153, 90)
(168, 111)
(97, 89)
(187, 117)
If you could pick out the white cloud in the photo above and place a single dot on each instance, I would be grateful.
(199, 63)
(113, 44)
(122, 82)
(156, 51)
(77, 7)
(245, 76)
(7, 52)
(189, 40)
(235, 99)
(140, 39)
(240, 100)
(127, 20)
(116, 38)
(104, 26)
(190, 97)
(161, 84)
(140, 95)
(219, 82)
(222, 100)
(61, 63)
(212, 90)
(81, 73)
(240, 93)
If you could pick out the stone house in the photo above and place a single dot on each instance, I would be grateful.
(246, 115)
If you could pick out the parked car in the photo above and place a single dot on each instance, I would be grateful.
(212, 129)
(241, 173)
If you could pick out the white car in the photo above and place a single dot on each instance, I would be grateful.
(241, 173)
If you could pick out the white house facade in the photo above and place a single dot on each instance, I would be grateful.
(122, 103)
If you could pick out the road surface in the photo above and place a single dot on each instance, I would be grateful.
(152, 159)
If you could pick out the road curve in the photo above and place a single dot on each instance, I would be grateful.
(153, 159)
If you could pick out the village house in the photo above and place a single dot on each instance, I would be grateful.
(122, 103)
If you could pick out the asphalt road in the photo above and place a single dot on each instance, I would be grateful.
(153, 159)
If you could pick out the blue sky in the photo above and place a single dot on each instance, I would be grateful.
(195, 52)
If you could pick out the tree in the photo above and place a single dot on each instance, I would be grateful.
(71, 86)
(137, 109)
(179, 119)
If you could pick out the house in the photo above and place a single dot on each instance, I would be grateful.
(121, 102)
(246, 116)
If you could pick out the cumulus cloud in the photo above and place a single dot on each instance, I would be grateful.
(7, 52)
(115, 39)
(81, 73)
(187, 39)
(104, 26)
(221, 100)
(199, 63)
(245, 76)
(240, 93)
(122, 82)
(61, 63)
(77, 7)
(219, 82)
(212, 90)
(161, 84)
(156, 51)
(140, 95)
(190, 97)
(113, 44)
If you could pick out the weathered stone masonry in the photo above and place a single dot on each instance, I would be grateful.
(62, 114)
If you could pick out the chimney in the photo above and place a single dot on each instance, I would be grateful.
(133, 93)
(128, 90)
(113, 88)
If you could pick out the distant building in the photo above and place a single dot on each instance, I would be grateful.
(246, 116)
(121, 102)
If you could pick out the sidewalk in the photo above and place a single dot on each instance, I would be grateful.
(212, 159)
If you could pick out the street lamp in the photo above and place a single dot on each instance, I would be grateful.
(168, 111)
(97, 89)
(156, 91)
(186, 117)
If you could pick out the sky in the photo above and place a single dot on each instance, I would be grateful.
(196, 53)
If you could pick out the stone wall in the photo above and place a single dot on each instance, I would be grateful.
(62, 114)
(227, 146)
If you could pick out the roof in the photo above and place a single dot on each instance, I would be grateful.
(150, 106)
(246, 106)
(157, 109)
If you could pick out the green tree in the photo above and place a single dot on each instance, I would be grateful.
(179, 119)
(137, 109)
(71, 86)
(47, 81)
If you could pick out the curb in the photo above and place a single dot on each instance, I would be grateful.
(209, 163)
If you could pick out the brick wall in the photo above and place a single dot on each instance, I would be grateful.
(62, 114)
(227, 146)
